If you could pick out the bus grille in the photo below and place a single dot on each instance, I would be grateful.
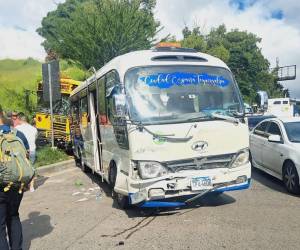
(60, 119)
(209, 162)
(59, 129)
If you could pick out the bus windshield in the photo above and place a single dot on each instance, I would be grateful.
(166, 94)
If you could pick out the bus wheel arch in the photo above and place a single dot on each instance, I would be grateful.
(122, 200)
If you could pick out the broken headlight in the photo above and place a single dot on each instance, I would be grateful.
(151, 169)
(241, 158)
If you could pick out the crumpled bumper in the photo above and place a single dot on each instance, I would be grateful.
(221, 188)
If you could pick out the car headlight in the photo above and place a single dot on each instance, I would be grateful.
(241, 158)
(151, 169)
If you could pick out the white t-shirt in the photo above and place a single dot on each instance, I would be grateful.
(30, 133)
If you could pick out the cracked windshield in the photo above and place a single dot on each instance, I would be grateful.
(180, 93)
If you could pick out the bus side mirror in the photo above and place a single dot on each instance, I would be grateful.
(119, 101)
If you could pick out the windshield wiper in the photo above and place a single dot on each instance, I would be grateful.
(225, 117)
(166, 137)
(237, 114)
(192, 119)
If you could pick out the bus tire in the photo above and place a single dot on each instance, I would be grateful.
(77, 158)
(81, 162)
(122, 200)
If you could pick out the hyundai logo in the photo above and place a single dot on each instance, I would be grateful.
(199, 146)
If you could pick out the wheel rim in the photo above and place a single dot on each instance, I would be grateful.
(290, 177)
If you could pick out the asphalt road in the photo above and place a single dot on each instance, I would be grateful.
(72, 210)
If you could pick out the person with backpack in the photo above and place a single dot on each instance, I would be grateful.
(15, 173)
(30, 132)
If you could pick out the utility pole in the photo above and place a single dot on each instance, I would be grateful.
(51, 90)
(51, 108)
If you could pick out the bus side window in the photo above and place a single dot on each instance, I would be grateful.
(84, 117)
(112, 80)
(102, 101)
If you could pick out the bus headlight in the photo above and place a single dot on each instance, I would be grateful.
(242, 157)
(151, 169)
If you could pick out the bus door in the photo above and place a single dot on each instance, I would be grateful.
(95, 133)
(104, 137)
(85, 129)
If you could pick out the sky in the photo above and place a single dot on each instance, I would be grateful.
(277, 22)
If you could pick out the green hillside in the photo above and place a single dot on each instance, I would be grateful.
(19, 75)
(15, 76)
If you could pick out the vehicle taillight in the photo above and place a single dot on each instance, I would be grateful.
(39, 119)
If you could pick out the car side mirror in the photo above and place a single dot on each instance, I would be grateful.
(274, 138)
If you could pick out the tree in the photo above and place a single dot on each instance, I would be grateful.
(95, 31)
(194, 39)
(239, 49)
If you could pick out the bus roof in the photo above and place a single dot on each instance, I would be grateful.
(151, 58)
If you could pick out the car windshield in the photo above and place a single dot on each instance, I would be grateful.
(293, 131)
(166, 94)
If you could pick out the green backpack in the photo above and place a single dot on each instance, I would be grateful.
(16, 171)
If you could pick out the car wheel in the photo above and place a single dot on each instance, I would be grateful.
(291, 178)
(122, 200)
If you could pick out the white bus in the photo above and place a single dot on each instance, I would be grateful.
(163, 127)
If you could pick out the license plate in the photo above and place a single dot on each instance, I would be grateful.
(200, 183)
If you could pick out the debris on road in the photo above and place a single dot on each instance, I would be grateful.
(76, 193)
(121, 243)
(83, 199)
(98, 196)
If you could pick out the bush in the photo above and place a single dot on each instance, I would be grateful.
(46, 156)
(73, 70)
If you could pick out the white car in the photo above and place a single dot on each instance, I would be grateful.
(275, 149)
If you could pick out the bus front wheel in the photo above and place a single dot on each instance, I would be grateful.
(122, 200)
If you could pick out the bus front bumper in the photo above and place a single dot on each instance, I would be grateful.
(158, 193)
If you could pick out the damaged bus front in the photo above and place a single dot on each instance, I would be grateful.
(186, 137)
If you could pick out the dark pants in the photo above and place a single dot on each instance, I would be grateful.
(9, 219)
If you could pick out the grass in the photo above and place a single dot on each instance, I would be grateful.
(18, 75)
(46, 156)
(73, 70)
